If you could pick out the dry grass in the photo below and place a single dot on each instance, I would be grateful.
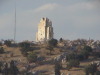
(48, 67)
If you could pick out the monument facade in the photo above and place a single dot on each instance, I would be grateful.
(45, 30)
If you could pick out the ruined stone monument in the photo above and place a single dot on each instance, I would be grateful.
(45, 30)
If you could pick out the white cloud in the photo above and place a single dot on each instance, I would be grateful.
(46, 7)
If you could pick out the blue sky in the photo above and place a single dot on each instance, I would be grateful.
(71, 19)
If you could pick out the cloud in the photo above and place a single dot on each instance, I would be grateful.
(46, 7)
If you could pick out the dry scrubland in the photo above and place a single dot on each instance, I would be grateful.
(47, 65)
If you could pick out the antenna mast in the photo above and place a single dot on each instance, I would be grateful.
(15, 24)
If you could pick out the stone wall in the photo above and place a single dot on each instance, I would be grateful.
(45, 30)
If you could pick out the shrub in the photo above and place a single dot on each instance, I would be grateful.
(50, 48)
(53, 42)
(96, 54)
(7, 43)
(91, 68)
(71, 56)
(85, 54)
(80, 57)
(57, 69)
(97, 73)
(60, 40)
(87, 48)
(24, 44)
(1, 50)
(0, 43)
(74, 63)
(32, 57)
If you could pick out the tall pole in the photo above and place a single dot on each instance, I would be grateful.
(15, 24)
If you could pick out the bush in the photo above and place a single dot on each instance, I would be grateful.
(32, 57)
(0, 43)
(7, 43)
(71, 56)
(57, 69)
(13, 68)
(60, 40)
(91, 68)
(80, 57)
(87, 48)
(96, 54)
(85, 54)
(73, 63)
(1, 50)
(97, 73)
(53, 42)
(24, 44)
(50, 48)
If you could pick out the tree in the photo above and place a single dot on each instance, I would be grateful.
(24, 44)
(85, 54)
(0, 43)
(24, 51)
(80, 57)
(50, 48)
(1, 64)
(7, 43)
(97, 73)
(53, 42)
(73, 63)
(13, 68)
(71, 56)
(86, 70)
(91, 68)
(87, 48)
(57, 68)
(5, 69)
(32, 57)
(1, 50)
(60, 40)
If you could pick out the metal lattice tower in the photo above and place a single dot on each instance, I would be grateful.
(15, 24)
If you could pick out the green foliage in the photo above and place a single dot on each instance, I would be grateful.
(96, 54)
(25, 47)
(57, 69)
(86, 69)
(1, 64)
(24, 51)
(13, 69)
(91, 68)
(70, 56)
(0, 43)
(7, 43)
(85, 54)
(74, 63)
(60, 40)
(69, 66)
(53, 42)
(87, 48)
(24, 44)
(32, 57)
(1, 50)
(97, 73)
(50, 48)
(80, 57)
